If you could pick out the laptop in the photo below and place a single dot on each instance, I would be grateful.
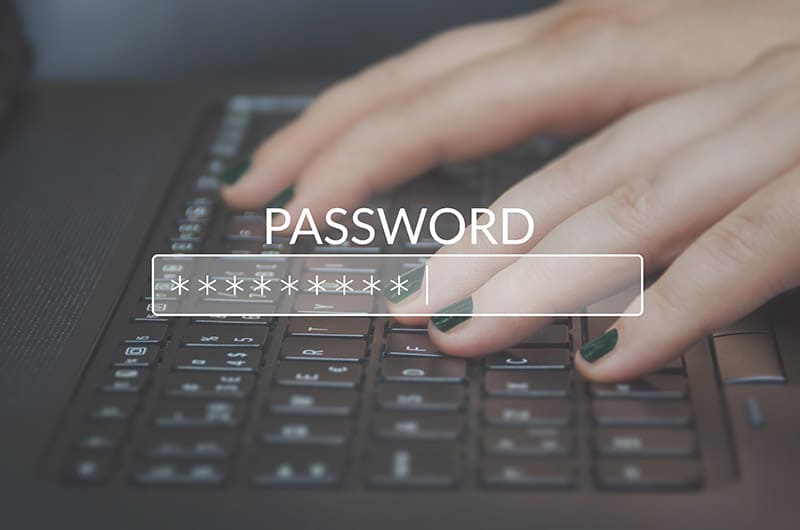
(158, 425)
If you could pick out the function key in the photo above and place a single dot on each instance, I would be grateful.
(667, 473)
(619, 413)
(528, 441)
(144, 312)
(209, 385)
(145, 333)
(424, 370)
(283, 400)
(644, 442)
(529, 359)
(191, 413)
(412, 396)
(528, 472)
(417, 464)
(647, 387)
(329, 327)
(527, 412)
(179, 474)
(140, 356)
(324, 349)
(306, 430)
(217, 360)
(294, 467)
(225, 336)
(527, 384)
(318, 374)
(412, 345)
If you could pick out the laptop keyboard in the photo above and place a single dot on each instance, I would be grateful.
(376, 405)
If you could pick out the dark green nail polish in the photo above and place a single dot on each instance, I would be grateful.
(232, 173)
(283, 197)
(591, 351)
(453, 315)
(413, 280)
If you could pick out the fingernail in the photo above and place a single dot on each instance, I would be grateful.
(283, 197)
(413, 281)
(591, 351)
(453, 315)
(233, 172)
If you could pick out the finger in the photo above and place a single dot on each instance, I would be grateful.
(277, 161)
(656, 216)
(740, 263)
(637, 145)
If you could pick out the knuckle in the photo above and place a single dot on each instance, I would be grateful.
(734, 241)
(593, 26)
(632, 208)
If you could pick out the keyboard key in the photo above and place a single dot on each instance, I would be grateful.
(529, 359)
(209, 385)
(674, 366)
(551, 335)
(312, 401)
(100, 436)
(113, 408)
(361, 264)
(424, 370)
(329, 326)
(246, 227)
(225, 336)
(280, 467)
(180, 474)
(528, 441)
(125, 380)
(413, 396)
(411, 344)
(527, 413)
(319, 374)
(145, 333)
(217, 360)
(202, 414)
(412, 464)
(259, 321)
(619, 413)
(748, 358)
(397, 327)
(514, 472)
(325, 349)
(88, 468)
(527, 384)
(648, 387)
(666, 473)
(139, 356)
(644, 442)
(416, 426)
(332, 304)
(190, 444)
(306, 430)
(144, 312)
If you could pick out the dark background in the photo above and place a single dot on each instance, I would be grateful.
(202, 39)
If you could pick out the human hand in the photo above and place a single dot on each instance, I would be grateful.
(697, 176)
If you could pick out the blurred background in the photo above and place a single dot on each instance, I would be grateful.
(202, 39)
